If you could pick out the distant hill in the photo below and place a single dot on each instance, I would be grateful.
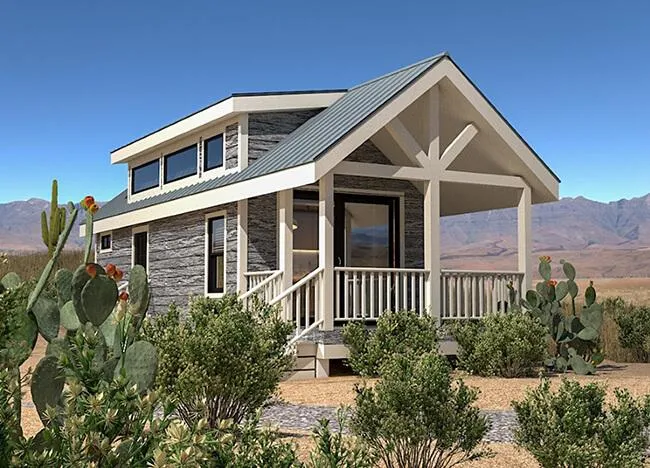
(602, 239)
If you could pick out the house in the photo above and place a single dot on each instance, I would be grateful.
(327, 203)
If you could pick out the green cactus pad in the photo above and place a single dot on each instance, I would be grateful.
(545, 270)
(69, 319)
(561, 364)
(109, 368)
(47, 317)
(56, 347)
(47, 385)
(98, 298)
(588, 334)
(592, 316)
(27, 331)
(11, 280)
(138, 291)
(108, 328)
(532, 298)
(79, 279)
(573, 288)
(580, 366)
(140, 362)
(568, 269)
(590, 295)
(63, 284)
(561, 290)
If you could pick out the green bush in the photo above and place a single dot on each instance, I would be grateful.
(335, 450)
(572, 428)
(634, 326)
(504, 345)
(397, 332)
(223, 361)
(416, 415)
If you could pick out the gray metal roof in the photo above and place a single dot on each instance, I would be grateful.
(306, 144)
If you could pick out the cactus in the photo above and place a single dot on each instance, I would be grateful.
(47, 385)
(576, 336)
(140, 362)
(52, 232)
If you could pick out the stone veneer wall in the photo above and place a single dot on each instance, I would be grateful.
(120, 254)
(177, 256)
(262, 233)
(265, 130)
(231, 136)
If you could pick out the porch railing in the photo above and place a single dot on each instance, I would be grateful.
(266, 288)
(365, 293)
(467, 294)
(301, 303)
(253, 278)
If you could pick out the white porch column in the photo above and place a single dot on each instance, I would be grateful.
(525, 237)
(285, 237)
(242, 244)
(432, 246)
(326, 247)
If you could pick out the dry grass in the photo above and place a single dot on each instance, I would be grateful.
(495, 393)
(29, 265)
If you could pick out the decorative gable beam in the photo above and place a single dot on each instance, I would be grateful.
(382, 171)
(479, 178)
(459, 144)
(407, 142)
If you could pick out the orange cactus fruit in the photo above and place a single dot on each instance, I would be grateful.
(91, 270)
(93, 208)
(545, 259)
(110, 270)
(118, 274)
(87, 202)
(124, 296)
(552, 283)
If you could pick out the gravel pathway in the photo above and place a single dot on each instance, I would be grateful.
(303, 418)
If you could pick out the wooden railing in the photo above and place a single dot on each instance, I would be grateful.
(253, 278)
(469, 294)
(301, 303)
(364, 293)
(266, 289)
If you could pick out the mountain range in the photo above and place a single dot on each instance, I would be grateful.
(601, 239)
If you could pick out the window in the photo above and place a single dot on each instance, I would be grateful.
(140, 247)
(213, 153)
(216, 249)
(180, 164)
(105, 242)
(145, 177)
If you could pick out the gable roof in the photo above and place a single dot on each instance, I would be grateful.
(306, 144)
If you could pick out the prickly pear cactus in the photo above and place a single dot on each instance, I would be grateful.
(575, 334)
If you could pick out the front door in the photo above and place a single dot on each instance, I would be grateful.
(366, 231)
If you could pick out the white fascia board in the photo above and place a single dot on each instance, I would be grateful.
(270, 183)
(221, 111)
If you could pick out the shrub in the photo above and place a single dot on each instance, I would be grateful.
(572, 428)
(417, 416)
(634, 326)
(397, 332)
(504, 345)
(334, 450)
(223, 361)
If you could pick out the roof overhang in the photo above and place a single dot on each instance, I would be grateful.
(223, 111)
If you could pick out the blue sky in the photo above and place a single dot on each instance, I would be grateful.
(80, 78)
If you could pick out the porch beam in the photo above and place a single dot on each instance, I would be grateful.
(407, 142)
(326, 248)
(242, 244)
(477, 178)
(432, 247)
(434, 124)
(382, 171)
(285, 237)
(525, 238)
(459, 143)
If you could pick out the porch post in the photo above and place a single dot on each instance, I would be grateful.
(285, 237)
(432, 246)
(525, 237)
(242, 244)
(326, 247)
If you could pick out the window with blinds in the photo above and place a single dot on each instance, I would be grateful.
(216, 257)
(140, 248)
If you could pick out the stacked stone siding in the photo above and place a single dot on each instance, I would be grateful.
(262, 233)
(231, 135)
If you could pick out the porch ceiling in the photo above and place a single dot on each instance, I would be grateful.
(469, 198)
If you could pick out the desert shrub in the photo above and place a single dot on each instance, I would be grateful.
(573, 428)
(634, 326)
(30, 265)
(504, 345)
(335, 450)
(416, 415)
(397, 332)
(223, 361)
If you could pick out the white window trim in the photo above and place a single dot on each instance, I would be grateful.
(99, 244)
(134, 231)
(206, 252)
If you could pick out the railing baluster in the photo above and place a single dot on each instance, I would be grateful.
(381, 309)
(372, 294)
(389, 292)
(346, 295)
(405, 291)
(414, 307)
(337, 297)
(355, 296)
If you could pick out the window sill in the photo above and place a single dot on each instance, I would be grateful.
(105, 251)
(214, 295)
